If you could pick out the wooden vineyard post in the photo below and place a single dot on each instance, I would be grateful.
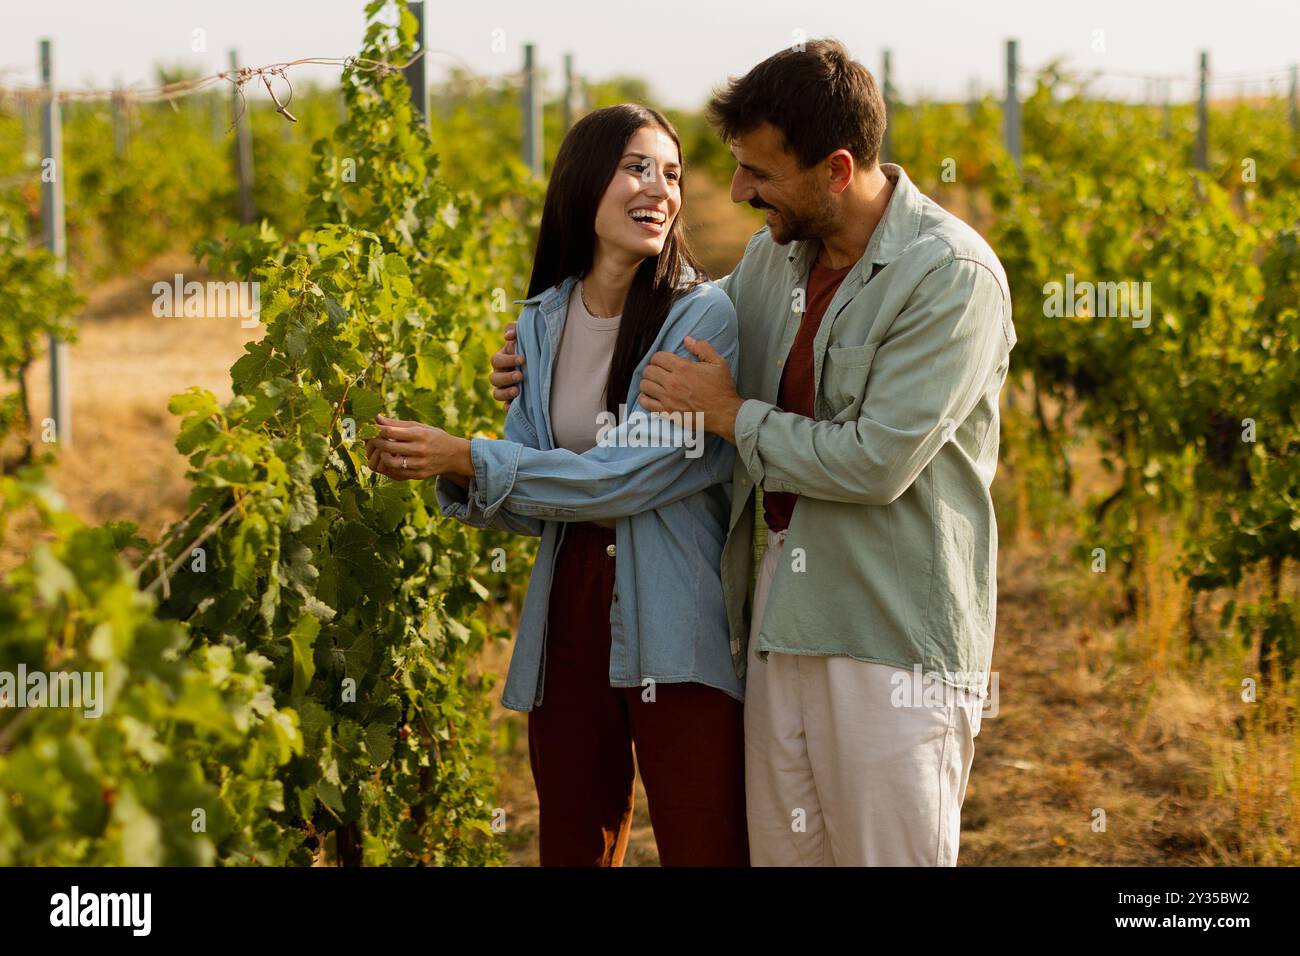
(414, 73)
(532, 105)
(1203, 114)
(52, 221)
(1011, 106)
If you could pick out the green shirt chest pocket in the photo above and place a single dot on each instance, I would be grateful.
(844, 380)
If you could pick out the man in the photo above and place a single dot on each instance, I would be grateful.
(875, 330)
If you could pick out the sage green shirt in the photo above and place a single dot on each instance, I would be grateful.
(891, 553)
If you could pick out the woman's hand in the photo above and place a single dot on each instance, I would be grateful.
(409, 451)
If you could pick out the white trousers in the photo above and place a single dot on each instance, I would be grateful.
(835, 774)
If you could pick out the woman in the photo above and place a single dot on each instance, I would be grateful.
(623, 640)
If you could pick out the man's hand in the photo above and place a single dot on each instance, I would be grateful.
(675, 384)
(504, 378)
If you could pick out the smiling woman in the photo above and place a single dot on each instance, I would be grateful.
(623, 640)
(621, 169)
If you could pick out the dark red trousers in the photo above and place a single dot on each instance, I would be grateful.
(689, 741)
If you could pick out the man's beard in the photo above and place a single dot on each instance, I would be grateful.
(790, 227)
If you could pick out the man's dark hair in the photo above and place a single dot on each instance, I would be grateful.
(820, 98)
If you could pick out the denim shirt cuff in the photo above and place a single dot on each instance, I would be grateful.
(748, 419)
(495, 464)
(453, 500)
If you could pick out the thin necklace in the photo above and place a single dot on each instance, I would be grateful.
(582, 294)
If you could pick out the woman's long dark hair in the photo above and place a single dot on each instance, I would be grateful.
(587, 161)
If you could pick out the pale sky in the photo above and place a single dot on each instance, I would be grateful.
(682, 47)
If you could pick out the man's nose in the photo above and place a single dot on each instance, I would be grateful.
(742, 190)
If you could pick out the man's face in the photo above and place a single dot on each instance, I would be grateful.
(797, 201)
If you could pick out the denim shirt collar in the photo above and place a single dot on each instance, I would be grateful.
(553, 303)
(550, 299)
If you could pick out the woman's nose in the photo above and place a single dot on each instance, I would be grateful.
(657, 185)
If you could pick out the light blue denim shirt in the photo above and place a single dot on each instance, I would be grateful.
(670, 505)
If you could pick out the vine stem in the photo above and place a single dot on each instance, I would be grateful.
(8, 731)
(180, 558)
(338, 408)
(161, 550)
(374, 334)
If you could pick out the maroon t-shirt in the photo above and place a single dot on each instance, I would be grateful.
(798, 389)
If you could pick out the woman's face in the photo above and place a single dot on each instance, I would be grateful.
(642, 200)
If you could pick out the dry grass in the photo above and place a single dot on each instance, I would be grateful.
(1117, 741)
(122, 463)
(1094, 758)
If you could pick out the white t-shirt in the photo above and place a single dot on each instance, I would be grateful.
(581, 373)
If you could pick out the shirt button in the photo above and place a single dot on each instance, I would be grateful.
(611, 550)
(778, 362)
